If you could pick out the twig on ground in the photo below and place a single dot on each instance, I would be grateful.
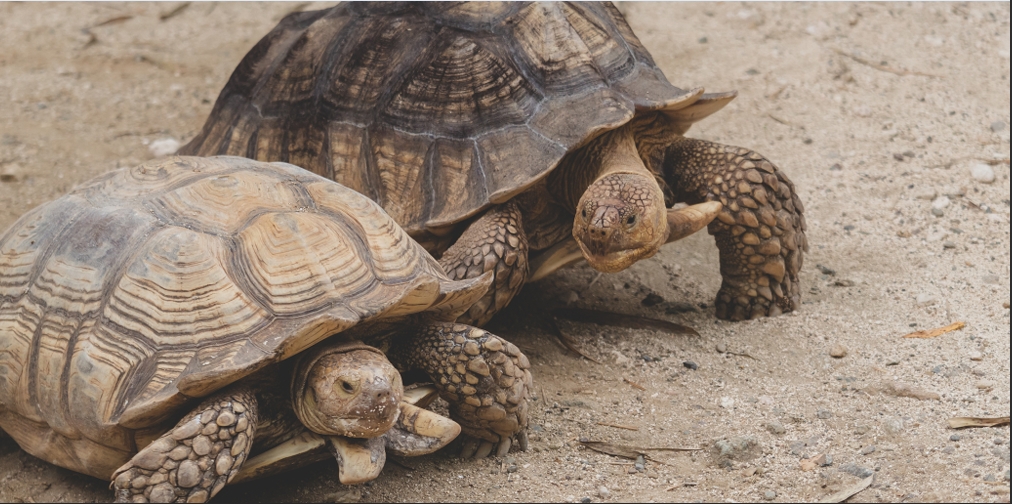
(619, 426)
(847, 493)
(634, 384)
(964, 422)
(938, 331)
(165, 16)
(881, 67)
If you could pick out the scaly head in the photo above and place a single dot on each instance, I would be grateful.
(620, 219)
(348, 389)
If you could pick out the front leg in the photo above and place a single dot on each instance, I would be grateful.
(485, 379)
(494, 242)
(195, 459)
(760, 231)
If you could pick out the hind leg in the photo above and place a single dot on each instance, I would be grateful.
(195, 459)
(760, 231)
(484, 378)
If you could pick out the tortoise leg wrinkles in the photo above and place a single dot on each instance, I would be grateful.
(494, 242)
(484, 378)
(760, 231)
(195, 459)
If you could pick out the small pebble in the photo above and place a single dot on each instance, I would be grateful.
(691, 365)
(976, 356)
(775, 427)
(640, 464)
(836, 167)
(909, 153)
(827, 462)
(937, 212)
(571, 297)
(955, 437)
(927, 193)
(1006, 474)
(702, 40)
(163, 147)
(925, 299)
(585, 500)
(721, 348)
(868, 450)
(899, 157)
(997, 126)
(856, 470)
(603, 492)
(985, 385)
(770, 495)
(949, 244)
(982, 173)
(989, 478)
(825, 270)
(838, 351)
(941, 202)
(824, 414)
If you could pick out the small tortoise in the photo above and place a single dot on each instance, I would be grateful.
(491, 131)
(160, 325)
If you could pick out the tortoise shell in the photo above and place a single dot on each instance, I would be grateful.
(146, 287)
(438, 110)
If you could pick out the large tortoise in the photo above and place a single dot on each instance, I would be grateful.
(159, 325)
(491, 131)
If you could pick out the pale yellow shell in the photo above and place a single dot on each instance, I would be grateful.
(149, 286)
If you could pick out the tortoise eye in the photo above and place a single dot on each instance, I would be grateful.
(630, 220)
(584, 213)
(347, 387)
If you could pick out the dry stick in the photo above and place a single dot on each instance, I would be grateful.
(618, 426)
(962, 422)
(570, 344)
(883, 68)
(174, 12)
(934, 333)
(634, 384)
(847, 493)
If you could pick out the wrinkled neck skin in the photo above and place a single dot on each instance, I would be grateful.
(620, 217)
(346, 389)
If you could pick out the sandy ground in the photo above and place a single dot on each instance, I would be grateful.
(878, 112)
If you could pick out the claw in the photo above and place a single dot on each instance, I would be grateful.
(484, 449)
(504, 447)
(469, 448)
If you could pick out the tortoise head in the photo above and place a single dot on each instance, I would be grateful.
(620, 219)
(347, 389)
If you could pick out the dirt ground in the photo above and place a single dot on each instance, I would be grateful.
(882, 114)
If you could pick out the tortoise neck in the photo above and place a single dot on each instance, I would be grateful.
(610, 153)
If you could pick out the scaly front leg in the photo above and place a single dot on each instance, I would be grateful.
(760, 231)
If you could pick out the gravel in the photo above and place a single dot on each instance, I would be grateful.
(769, 495)
(955, 437)
(691, 365)
(868, 450)
(941, 202)
(982, 173)
(838, 351)
(824, 414)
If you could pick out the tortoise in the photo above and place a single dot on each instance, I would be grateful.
(162, 324)
(495, 132)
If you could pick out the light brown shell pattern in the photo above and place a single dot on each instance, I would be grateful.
(149, 286)
(438, 110)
